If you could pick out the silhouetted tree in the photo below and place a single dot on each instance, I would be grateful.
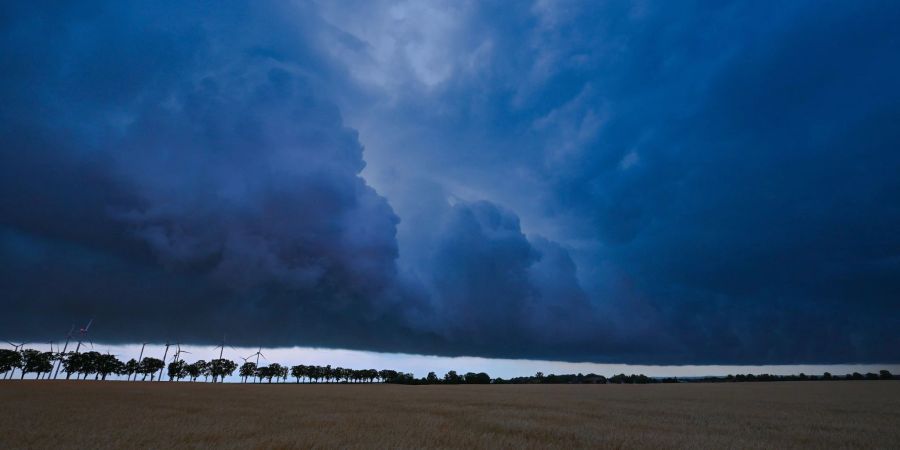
(203, 368)
(130, 368)
(150, 366)
(248, 369)
(177, 370)
(89, 364)
(477, 378)
(387, 375)
(298, 372)
(221, 368)
(274, 370)
(452, 377)
(47, 360)
(195, 369)
(35, 361)
(270, 371)
(71, 363)
(108, 364)
(432, 378)
(9, 361)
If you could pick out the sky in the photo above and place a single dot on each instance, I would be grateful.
(619, 182)
(421, 365)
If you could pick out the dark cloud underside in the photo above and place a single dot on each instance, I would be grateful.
(637, 182)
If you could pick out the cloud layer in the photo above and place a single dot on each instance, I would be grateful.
(637, 182)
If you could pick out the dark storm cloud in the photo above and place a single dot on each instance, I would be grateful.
(725, 172)
(186, 175)
(757, 212)
(497, 290)
(679, 183)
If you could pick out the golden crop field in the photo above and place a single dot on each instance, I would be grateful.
(96, 415)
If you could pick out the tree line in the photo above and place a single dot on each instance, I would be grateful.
(540, 378)
(98, 366)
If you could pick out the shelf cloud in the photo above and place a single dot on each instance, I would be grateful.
(639, 182)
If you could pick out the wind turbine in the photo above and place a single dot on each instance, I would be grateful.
(178, 353)
(140, 358)
(245, 362)
(258, 354)
(65, 347)
(222, 347)
(82, 334)
(164, 360)
(16, 349)
(176, 357)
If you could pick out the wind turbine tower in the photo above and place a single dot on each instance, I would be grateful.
(65, 347)
(140, 358)
(222, 347)
(257, 354)
(164, 360)
(16, 349)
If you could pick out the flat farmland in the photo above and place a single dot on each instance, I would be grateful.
(96, 415)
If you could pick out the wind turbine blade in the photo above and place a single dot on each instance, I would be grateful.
(89, 324)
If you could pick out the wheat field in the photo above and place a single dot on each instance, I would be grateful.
(98, 415)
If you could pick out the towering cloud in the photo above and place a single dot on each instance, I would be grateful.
(495, 290)
(722, 172)
(184, 176)
(191, 177)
